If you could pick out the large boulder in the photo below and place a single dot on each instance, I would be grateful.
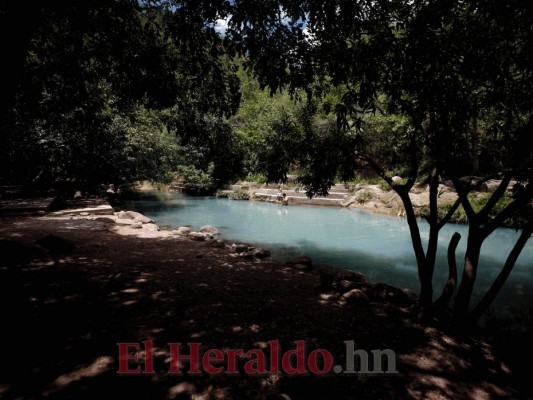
(138, 217)
(209, 229)
(135, 216)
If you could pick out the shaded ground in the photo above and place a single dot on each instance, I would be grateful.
(63, 315)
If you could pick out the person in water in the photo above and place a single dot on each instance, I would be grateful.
(284, 200)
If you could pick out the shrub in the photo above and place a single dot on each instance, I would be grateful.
(239, 194)
(364, 196)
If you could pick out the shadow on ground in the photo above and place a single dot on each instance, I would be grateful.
(63, 315)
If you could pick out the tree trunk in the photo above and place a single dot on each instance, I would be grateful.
(413, 229)
(449, 288)
(464, 294)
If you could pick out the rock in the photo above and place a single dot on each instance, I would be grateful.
(150, 227)
(352, 276)
(397, 179)
(77, 195)
(420, 199)
(209, 229)
(198, 236)
(184, 230)
(444, 189)
(240, 248)
(107, 220)
(389, 197)
(261, 253)
(392, 294)
(125, 215)
(138, 217)
(136, 225)
(55, 244)
(447, 197)
(493, 184)
(84, 214)
(344, 286)
(256, 253)
(355, 297)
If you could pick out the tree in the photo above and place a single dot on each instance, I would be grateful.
(103, 93)
(444, 65)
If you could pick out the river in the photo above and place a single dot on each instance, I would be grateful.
(375, 245)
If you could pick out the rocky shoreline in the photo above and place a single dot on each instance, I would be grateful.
(379, 199)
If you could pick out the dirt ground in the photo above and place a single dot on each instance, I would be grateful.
(63, 315)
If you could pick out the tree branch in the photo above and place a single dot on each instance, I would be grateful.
(380, 172)
(433, 193)
(449, 214)
(462, 192)
(403, 192)
(449, 288)
(496, 196)
(491, 294)
(505, 214)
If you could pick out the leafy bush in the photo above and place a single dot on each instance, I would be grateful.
(258, 178)
(239, 194)
(384, 186)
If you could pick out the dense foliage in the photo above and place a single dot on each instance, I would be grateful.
(111, 92)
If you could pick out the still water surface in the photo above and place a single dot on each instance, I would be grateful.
(376, 245)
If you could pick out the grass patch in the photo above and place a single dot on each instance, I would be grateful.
(364, 196)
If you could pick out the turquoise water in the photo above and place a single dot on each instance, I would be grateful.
(376, 245)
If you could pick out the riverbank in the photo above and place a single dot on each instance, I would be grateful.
(117, 283)
(376, 198)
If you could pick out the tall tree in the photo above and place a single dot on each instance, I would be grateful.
(443, 64)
